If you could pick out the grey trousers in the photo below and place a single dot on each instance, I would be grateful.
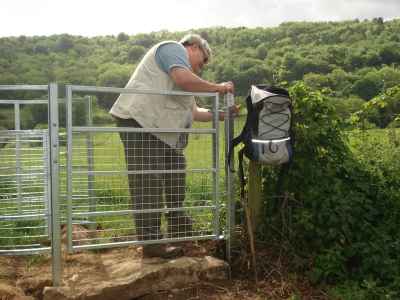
(144, 152)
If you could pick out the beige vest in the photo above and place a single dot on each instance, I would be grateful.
(155, 111)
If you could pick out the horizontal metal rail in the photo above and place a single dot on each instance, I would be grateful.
(34, 101)
(25, 251)
(150, 130)
(80, 88)
(24, 217)
(24, 87)
(136, 211)
(162, 241)
(24, 175)
(144, 172)
(30, 132)
(24, 102)
(22, 237)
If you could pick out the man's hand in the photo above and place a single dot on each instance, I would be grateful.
(204, 115)
(226, 87)
(233, 111)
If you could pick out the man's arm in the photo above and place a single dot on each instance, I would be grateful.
(190, 82)
(201, 114)
(204, 115)
(173, 59)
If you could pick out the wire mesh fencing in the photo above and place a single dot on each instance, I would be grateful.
(24, 192)
(24, 178)
(126, 186)
(106, 185)
(145, 191)
(29, 211)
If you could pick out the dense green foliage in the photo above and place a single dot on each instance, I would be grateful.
(351, 61)
(340, 211)
(337, 212)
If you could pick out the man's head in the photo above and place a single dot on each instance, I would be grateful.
(198, 50)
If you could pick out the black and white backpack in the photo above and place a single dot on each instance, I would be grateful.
(267, 134)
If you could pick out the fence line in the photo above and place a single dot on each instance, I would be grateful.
(82, 178)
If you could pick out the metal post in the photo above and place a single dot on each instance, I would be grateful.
(230, 201)
(69, 166)
(54, 172)
(46, 181)
(215, 154)
(90, 161)
(18, 170)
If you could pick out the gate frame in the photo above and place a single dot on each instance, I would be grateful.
(53, 131)
(215, 158)
(54, 214)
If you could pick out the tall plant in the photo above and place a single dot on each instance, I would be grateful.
(332, 211)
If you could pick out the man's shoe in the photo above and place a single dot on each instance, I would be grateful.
(162, 251)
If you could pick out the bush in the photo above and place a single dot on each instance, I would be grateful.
(394, 124)
(341, 209)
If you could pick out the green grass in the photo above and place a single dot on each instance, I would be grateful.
(109, 155)
(20, 232)
(376, 147)
(111, 192)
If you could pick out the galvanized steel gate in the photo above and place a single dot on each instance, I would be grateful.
(29, 213)
(181, 194)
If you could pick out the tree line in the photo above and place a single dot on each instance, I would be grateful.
(351, 61)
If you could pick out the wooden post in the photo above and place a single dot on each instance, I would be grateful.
(255, 194)
(253, 209)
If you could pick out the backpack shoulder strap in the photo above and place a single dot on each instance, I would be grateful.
(240, 138)
(241, 173)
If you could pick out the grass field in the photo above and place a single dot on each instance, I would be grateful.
(111, 193)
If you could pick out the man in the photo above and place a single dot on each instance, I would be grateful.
(167, 66)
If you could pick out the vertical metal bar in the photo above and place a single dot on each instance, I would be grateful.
(17, 117)
(215, 159)
(90, 161)
(46, 182)
(54, 160)
(18, 170)
(69, 166)
(230, 203)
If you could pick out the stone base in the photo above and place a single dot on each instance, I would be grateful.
(9, 292)
(131, 279)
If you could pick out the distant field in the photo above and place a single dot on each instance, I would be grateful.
(381, 140)
(111, 192)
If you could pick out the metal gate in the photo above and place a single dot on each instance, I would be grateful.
(24, 211)
(192, 185)
(179, 201)
(29, 222)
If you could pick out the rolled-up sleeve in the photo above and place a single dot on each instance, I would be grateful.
(171, 55)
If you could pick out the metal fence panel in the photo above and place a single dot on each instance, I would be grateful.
(24, 193)
(90, 177)
(117, 195)
(24, 173)
(29, 222)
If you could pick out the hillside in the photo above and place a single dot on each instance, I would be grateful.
(330, 224)
(351, 58)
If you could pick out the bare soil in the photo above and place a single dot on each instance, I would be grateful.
(31, 274)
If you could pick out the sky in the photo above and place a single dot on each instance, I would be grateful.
(101, 17)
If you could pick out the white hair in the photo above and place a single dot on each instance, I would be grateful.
(195, 39)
